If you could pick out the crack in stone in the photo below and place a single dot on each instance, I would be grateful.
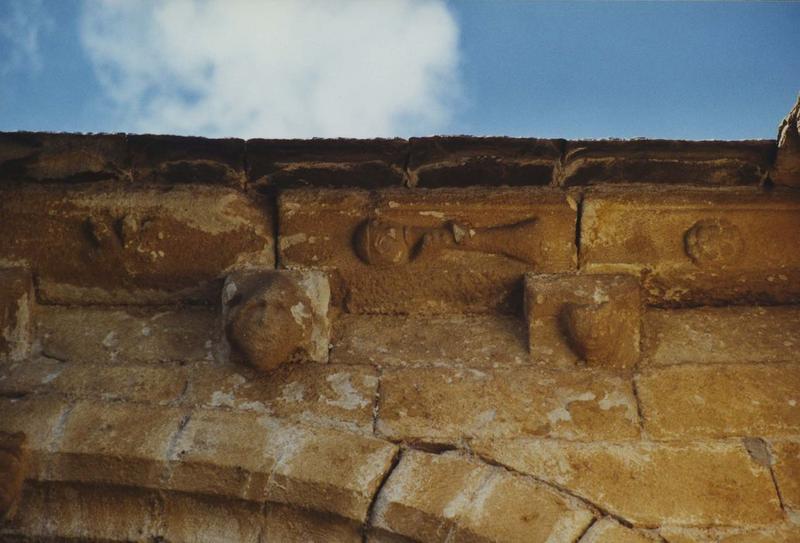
(586, 531)
(368, 521)
(596, 509)
(376, 402)
(639, 408)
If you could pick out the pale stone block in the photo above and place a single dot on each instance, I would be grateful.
(115, 443)
(711, 400)
(649, 483)
(223, 453)
(719, 335)
(203, 519)
(425, 493)
(475, 341)
(448, 405)
(130, 334)
(333, 472)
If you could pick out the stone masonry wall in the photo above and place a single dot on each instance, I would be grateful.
(445, 339)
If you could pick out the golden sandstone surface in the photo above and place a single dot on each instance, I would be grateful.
(445, 339)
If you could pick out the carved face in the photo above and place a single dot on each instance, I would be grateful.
(713, 242)
(380, 243)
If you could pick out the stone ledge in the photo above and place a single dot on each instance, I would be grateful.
(438, 161)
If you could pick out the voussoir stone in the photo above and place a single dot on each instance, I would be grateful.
(648, 483)
(696, 246)
(139, 246)
(115, 443)
(710, 400)
(276, 317)
(448, 497)
(446, 406)
(17, 301)
(72, 512)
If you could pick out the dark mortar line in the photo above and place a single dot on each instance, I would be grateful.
(368, 521)
(376, 402)
(771, 469)
(639, 408)
(578, 223)
(594, 521)
(406, 164)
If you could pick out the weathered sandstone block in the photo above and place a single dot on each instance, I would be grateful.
(139, 246)
(203, 519)
(696, 245)
(115, 443)
(106, 382)
(178, 160)
(649, 484)
(607, 530)
(786, 170)
(331, 472)
(786, 456)
(666, 162)
(424, 494)
(128, 334)
(18, 379)
(13, 469)
(708, 400)
(466, 161)
(17, 300)
(255, 457)
(69, 512)
(440, 498)
(427, 251)
(71, 158)
(327, 162)
(446, 405)
(296, 525)
(475, 341)
(42, 422)
(222, 453)
(590, 319)
(327, 395)
(276, 317)
(719, 335)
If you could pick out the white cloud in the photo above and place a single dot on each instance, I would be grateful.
(21, 25)
(293, 68)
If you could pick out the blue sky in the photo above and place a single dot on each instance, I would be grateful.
(412, 67)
